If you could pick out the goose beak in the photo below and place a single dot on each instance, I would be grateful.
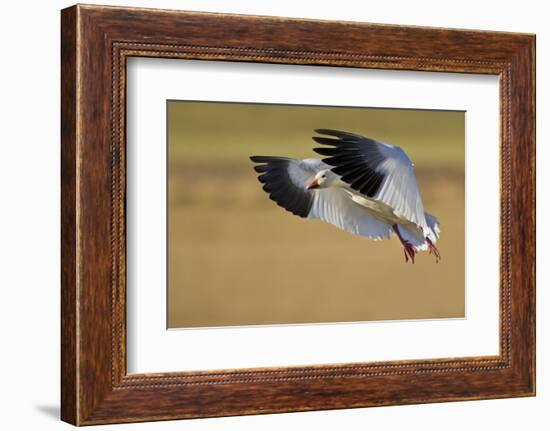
(313, 185)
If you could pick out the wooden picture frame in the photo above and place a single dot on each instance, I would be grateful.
(95, 43)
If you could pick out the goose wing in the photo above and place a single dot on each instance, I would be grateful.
(377, 170)
(285, 180)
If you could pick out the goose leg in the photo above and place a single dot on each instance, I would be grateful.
(408, 249)
(433, 250)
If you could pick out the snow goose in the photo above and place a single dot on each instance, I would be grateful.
(363, 186)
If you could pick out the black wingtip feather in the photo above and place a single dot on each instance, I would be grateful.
(280, 187)
(269, 159)
(353, 175)
(372, 186)
(343, 159)
(330, 132)
(326, 151)
(262, 168)
(327, 141)
(338, 133)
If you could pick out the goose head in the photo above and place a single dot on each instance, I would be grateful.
(322, 179)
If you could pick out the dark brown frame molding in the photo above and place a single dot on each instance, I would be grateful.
(95, 43)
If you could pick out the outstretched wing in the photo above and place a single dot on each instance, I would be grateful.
(285, 181)
(334, 205)
(380, 171)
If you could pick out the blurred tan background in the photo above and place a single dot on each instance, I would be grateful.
(236, 258)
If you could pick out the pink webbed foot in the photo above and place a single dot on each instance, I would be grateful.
(409, 251)
(432, 249)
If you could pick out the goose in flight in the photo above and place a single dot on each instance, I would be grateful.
(363, 186)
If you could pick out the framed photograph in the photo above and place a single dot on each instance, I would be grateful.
(263, 214)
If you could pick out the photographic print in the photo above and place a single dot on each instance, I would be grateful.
(288, 214)
(257, 224)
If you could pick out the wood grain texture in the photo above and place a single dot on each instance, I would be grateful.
(69, 397)
(96, 41)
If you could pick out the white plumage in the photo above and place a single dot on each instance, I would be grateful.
(364, 186)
